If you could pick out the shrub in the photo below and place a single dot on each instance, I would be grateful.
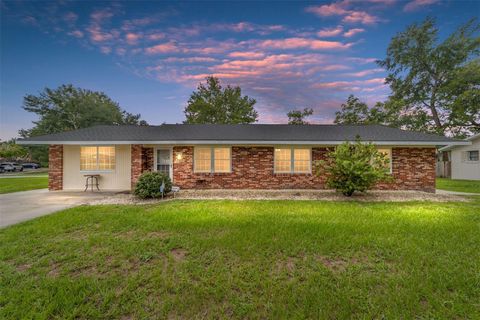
(148, 185)
(354, 167)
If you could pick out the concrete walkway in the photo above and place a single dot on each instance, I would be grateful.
(438, 191)
(21, 206)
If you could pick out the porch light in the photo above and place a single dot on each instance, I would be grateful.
(179, 156)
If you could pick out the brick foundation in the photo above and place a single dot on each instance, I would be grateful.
(252, 168)
(55, 167)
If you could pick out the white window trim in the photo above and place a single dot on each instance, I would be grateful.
(467, 157)
(212, 159)
(292, 160)
(98, 170)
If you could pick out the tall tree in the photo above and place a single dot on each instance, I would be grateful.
(423, 76)
(69, 108)
(213, 104)
(298, 116)
(354, 111)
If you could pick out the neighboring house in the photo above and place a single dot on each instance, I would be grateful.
(255, 156)
(460, 161)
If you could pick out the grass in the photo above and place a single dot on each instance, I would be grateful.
(472, 186)
(8, 185)
(245, 259)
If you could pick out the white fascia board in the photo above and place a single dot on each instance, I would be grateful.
(247, 142)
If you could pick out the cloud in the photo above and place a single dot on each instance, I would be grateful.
(76, 34)
(330, 32)
(70, 17)
(105, 49)
(342, 8)
(352, 32)
(132, 38)
(246, 55)
(364, 73)
(361, 60)
(298, 43)
(167, 47)
(418, 4)
(356, 85)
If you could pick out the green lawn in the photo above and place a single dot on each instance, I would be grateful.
(472, 186)
(8, 185)
(245, 259)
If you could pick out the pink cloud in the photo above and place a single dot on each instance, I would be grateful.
(333, 9)
(190, 59)
(156, 36)
(352, 32)
(246, 55)
(100, 16)
(296, 43)
(355, 85)
(361, 17)
(365, 72)
(162, 48)
(330, 32)
(341, 8)
(76, 34)
(417, 4)
(132, 38)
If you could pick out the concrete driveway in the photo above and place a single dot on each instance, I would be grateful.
(21, 206)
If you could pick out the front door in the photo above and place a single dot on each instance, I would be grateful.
(163, 161)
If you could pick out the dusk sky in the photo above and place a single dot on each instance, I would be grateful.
(149, 56)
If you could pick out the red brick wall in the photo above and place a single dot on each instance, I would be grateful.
(413, 169)
(136, 169)
(142, 160)
(147, 159)
(252, 168)
(55, 167)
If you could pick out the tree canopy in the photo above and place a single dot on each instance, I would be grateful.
(354, 111)
(435, 85)
(212, 103)
(69, 108)
(298, 116)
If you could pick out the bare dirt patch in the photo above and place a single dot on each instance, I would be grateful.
(54, 270)
(178, 254)
(23, 267)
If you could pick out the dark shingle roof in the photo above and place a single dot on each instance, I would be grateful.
(242, 132)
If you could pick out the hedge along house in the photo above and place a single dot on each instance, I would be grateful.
(254, 156)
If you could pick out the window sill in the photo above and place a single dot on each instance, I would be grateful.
(96, 171)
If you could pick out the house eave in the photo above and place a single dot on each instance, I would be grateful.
(247, 142)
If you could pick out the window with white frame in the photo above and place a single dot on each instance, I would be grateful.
(212, 159)
(473, 155)
(388, 153)
(97, 158)
(292, 160)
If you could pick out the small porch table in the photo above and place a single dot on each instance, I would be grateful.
(93, 178)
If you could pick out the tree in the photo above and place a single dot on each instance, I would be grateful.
(354, 167)
(298, 116)
(423, 75)
(355, 111)
(10, 150)
(68, 108)
(213, 104)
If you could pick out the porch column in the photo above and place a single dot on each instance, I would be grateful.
(55, 167)
(136, 166)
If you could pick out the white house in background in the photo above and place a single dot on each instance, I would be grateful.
(460, 162)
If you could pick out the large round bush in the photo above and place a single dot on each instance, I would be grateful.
(148, 185)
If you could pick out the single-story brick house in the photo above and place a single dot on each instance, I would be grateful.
(252, 156)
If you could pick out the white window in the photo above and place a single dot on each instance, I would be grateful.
(97, 158)
(387, 152)
(292, 160)
(472, 155)
(212, 159)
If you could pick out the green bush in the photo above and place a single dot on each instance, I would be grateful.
(148, 185)
(354, 167)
